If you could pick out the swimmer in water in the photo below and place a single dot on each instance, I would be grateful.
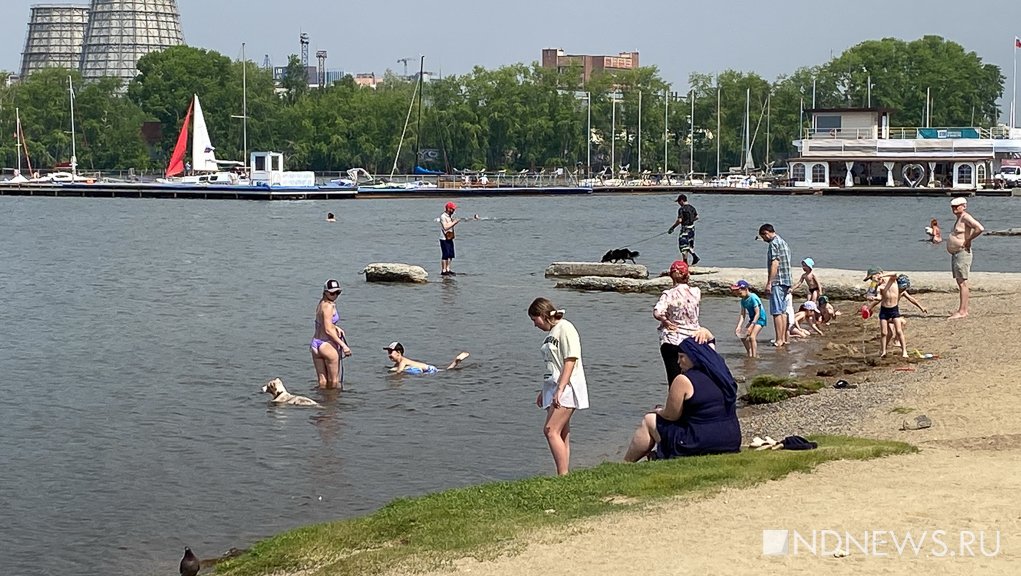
(935, 236)
(330, 217)
(395, 351)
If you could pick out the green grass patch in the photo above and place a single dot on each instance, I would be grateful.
(767, 388)
(487, 520)
(902, 410)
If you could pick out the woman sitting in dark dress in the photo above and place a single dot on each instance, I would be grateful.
(700, 416)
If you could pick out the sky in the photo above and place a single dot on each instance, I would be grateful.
(677, 36)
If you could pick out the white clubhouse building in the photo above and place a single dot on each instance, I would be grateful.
(847, 147)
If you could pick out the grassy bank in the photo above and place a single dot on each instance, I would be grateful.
(483, 521)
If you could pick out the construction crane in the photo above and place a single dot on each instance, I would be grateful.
(405, 62)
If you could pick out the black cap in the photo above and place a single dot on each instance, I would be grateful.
(332, 286)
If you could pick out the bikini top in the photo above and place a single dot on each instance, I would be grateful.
(334, 320)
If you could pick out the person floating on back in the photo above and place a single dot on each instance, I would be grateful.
(402, 364)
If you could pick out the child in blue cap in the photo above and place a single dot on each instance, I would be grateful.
(751, 305)
(809, 280)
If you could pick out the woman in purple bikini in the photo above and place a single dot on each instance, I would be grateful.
(328, 345)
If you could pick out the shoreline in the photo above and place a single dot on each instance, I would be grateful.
(888, 392)
(962, 479)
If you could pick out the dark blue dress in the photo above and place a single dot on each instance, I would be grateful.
(708, 425)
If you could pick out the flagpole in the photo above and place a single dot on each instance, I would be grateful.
(1013, 97)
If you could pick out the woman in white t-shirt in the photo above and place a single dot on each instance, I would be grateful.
(564, 389)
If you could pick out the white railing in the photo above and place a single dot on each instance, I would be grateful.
(840, 133)
(908, 133)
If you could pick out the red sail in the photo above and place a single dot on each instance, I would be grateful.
(176, 165)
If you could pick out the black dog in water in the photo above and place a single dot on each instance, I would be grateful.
(620, 255)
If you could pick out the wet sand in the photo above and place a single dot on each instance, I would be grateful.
(964, 480)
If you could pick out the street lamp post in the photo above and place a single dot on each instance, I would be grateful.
(613, 135)
(588, 138)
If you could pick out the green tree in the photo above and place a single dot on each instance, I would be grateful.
(295, 79)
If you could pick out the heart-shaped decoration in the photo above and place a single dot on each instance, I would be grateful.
(914, 174)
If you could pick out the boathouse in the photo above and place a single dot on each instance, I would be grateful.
(847, 147)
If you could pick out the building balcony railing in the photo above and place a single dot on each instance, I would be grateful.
(909, 133)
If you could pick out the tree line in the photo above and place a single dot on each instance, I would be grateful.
(515, 117)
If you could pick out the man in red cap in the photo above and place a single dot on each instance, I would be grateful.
(447, 223)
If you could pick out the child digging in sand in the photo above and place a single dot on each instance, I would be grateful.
(890, 322)
(751, 306)
(395, 351)
(827, 310)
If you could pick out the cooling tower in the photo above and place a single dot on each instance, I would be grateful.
(55, 33)
(122, 31)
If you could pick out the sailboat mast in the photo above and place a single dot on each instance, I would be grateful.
(244, 103)
(666, 126)
(748, 129)
(17, 134)
(74, 156)
(768, 99)
(691, 136)
(639, 131)
(418, 130)
(718, 138)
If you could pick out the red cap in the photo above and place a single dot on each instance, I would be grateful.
(451, 206)
(679, 266)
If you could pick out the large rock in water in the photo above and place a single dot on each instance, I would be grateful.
(395, 272)
(575, 269)
(837, 284)
(1007, 232)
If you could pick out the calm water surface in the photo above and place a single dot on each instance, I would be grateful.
(136, 334)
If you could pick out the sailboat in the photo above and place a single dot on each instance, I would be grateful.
(205, 168)
(19, 138)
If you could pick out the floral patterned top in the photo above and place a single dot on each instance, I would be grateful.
(678, 305)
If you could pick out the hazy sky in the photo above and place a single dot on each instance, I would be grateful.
(677, 36)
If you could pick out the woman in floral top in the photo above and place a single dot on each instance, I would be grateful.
(677, 312)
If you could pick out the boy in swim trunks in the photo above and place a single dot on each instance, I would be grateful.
(890, 322)
(809, 280)
(395, 351)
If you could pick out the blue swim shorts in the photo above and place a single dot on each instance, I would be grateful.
(778, 299)
(413, 370)
(446, 249)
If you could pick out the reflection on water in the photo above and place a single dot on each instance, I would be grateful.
(144, 330)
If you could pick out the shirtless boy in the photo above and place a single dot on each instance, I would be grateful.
(965, 229)
(890, 322)
(395, 351)
(809, 280)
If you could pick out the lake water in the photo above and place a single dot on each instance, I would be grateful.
(136, 335)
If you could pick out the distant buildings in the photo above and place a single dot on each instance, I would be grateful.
(557, 59)
(368, 80)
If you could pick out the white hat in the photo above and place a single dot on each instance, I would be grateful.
(959, 201)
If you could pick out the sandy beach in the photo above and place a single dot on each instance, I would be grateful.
(963, 481)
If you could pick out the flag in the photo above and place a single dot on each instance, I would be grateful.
(1017, 42)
